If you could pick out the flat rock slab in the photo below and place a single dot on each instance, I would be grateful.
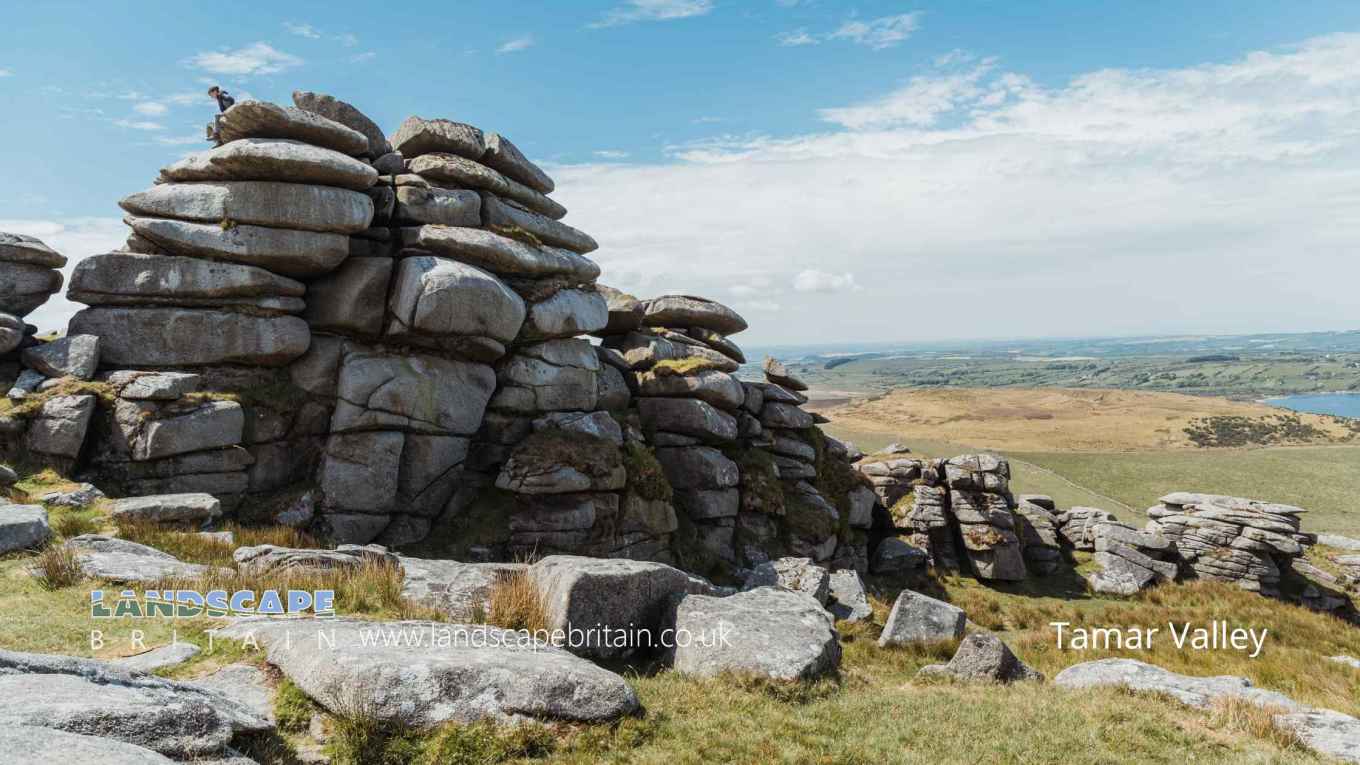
(158, 658)
(461, 590)
(1193, 691)
(131, 275)
(497, 212)
(260, 203)
(260, 119)
(262, 559)
(30, 250)
(619, 595)
(117, 560)
(688, 417)
(167, 508)
(70, 356)
(280, 250)
(504, 156)
(47, 745)
(689, 311)
(156, 337)
(503, 255)
(85, 696)
(245, 684)
(396, 682)
(23, 527)
(259, 159)
(765, 632)
(1330, 733)
(917, 618)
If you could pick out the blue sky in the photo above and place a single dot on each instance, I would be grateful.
(833, 170)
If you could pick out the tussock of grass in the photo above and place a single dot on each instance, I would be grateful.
(55, 568)
(515, 603)
(1239, 715)
(194, 548)
(645, 475)
(30, 405)
(293, 709)
(74, 523)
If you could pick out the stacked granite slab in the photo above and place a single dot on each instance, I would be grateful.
(1130, 560)
(1233, 539)
(29, 275)
(893, 478)
(689, 404)
(962, 517)
(202, 311)
(485, 270)
(1036, 523)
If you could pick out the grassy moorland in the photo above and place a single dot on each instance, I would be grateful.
(1122, 452)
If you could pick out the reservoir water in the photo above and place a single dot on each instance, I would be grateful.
(1339, 404)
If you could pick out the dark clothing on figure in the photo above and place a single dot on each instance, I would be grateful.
(224, 100)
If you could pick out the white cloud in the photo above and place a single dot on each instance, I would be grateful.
(139, 125)
(523, 42)
(186, 98)
(879, 33)
(812, 280)
(654, 10)
(6, 72)
(613, 154)
(347, 39)
(360, 58)
(77, 239)
(796, 37)
(179, 140)
(150, 108)
(302, 30)
(1203, 199)
(259, 58)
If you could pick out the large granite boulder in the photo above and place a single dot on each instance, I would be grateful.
(22, 527)
(417, 136)
(461, 590)
(282, 250)
(483, 673)
(71, 356)
(622, 604)
(127, 278)
(917, 618)
(435, 297)
(982, 656)
(339, 111)
(261, 119)
(259, 159)
(766, 632)
(690, 311)
(181, 337)
(46, 745)
(118, 560)
(167, 508)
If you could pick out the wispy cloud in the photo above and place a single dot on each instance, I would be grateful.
(179, 140)
(302, 30)
(796, 37)
(6, 72)
(77, 239)
(139, 125)
(347, 39)
(523, 42)
(185, 98)
(360, 58)
(707, 120)
(260, 58)
(878, 34)
(812, 280)
(611, 154)
(653, 10)
(151, 108)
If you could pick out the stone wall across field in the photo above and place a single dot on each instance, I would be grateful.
(400, 339)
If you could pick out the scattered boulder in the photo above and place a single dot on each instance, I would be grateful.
(269, 559)
(917, 618)
(848, 602)
(118, 560)
(795, 574)
(83, 495)
(461, 590)
(23, 527)
(613, 600)
(893, 556)
(982, 656)
(167, 508)
(766, 632)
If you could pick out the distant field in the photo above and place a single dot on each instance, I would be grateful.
(1056, 419)
(1323, 479)
(1250, 375)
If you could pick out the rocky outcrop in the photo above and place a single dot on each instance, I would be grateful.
(1130, 560)
(1232, 539)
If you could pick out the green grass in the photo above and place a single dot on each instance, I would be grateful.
(1323, 480)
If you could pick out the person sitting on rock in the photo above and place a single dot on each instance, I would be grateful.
(224, 102)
